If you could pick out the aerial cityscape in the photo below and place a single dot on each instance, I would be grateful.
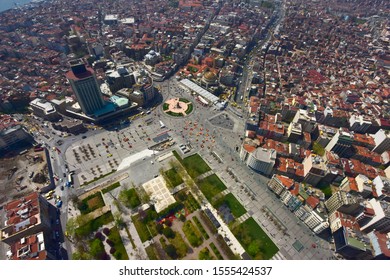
(195, 130)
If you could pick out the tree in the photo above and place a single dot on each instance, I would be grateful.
(159, 228)
(254, 248)
(81, 256)
(218, 91)
(119, 220)
(71, 226)
(97, 248)
(142, 214)
(182, 196)
(171, 251)
(169, 233)
(318, 149)
(182, 218)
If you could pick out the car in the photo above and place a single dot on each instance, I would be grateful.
(83, 137)
(62, 187)
(64, 174)
(58, 221)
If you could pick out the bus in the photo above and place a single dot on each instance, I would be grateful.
(70, 179)
(162, 125)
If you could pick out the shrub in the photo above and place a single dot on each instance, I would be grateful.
(168, 232)
(98, 235)
(171, 251)
(168, 223)
(110, 242)
(182, 218)
(159, 228)
(106, 231)
(112, 250)
(118, 255)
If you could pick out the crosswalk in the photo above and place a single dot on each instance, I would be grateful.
(278, 257)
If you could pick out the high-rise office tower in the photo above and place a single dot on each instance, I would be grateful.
(85, 86)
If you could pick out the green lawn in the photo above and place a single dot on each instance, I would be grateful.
(205, 254)
(235, 206)
(216, 251)
(173, 177)
(254, 240)
(151, 252)
(173, 114)
(192, 234)
(180, 245)
(183, 100)
(194, 164)
(165, 106)
(91, 203)
(189, 109)
(98, 178)
(93, 225)
(120, 253)
(200, 227)
(129, 198)
(191, 203)
(211, 186)
(110, 188)
(142, 230)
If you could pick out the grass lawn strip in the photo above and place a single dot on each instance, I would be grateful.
(189, 109)
(191, 203)
(151, 252)
(142, 230)
(216, 251)
(98, 178)
(120, 253)
(211, 186)
(254, 240)
(205, 254)
(192, 234)
(110, 188)
(200, 227)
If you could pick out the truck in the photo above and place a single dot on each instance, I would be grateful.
(162, 125)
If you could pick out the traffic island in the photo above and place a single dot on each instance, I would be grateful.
(178, 107)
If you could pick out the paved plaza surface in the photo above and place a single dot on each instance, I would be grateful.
(200, 132)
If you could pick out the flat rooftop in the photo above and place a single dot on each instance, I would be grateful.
(158, 191)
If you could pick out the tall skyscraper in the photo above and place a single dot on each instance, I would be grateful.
(85, 86)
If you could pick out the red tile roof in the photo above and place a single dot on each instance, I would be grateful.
(312, 201)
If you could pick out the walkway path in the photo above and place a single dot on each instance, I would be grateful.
(137, 253)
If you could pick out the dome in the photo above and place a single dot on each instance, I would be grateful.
(209, 76)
